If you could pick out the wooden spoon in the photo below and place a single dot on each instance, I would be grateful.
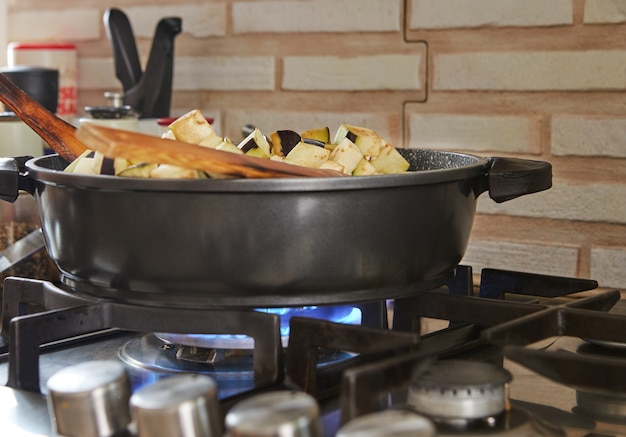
(56, 132)
(114, 143)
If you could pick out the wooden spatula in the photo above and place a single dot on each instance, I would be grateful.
(56, 132)
(114, 143)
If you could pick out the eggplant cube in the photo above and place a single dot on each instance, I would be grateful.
(364, 168)
(228, 146)
(367, 140)
(283, 142)
(346, 154)
(389, 161)
(175, 172)
(332, 165)
(192, 128)
(320, 134)
(255, 144)
(141, 170)
(308, 155)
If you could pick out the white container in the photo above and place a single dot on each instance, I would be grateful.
(58, 56)
(17, 139)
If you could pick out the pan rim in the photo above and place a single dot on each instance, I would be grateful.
(39, 169)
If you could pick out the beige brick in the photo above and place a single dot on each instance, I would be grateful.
(483, 132)
(225, 73)
(531, 71)
(591, 202)
(97, 74)
(390, 72)
(448, 14)
(199, 20)
(270, 121)
(526, 257)
(77, 24)
(317, 16)
(585, 136)
(3, 33)
(607, 266)
(605, 11)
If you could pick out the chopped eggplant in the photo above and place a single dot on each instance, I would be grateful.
(332, 165)
(367, 140)
(283, 141)
(71, 168)
(228, 146)
(313, 142)
(308, 155)
(167, 171)
(255, 144)
(192, 127)
(346, 154)
(321, 134)
(364, 168)
(353, 151)
(389, 160)
(141, 170)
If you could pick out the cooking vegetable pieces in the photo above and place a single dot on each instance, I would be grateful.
(353, 150)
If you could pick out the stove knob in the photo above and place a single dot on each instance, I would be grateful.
(90, 399)
(389, 422)
(275, 414)
(176, 406)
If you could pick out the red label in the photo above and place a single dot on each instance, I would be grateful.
(68, 104)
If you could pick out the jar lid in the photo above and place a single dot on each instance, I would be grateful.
(41, 46)
(110, 112)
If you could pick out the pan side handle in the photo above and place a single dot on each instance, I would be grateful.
(13, 178)
(509, 178)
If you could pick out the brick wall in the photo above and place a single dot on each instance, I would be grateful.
(492, 77)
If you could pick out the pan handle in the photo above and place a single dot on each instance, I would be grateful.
(513, 177)
(13, 178)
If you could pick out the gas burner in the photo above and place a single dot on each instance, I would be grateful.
(460, 394)
(471, 397)
(601, 406)
(150, 359)
(348, 315)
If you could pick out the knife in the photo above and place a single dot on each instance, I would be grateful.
(21, 249)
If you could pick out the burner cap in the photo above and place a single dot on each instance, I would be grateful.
(459, 391)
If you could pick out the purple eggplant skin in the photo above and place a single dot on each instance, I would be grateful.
(108, 167)
(314, 142)
(283, 141)
(248, 145)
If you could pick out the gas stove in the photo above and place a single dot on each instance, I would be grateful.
(520, 354)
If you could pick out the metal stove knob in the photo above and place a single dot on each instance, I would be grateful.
(90, 399)
(275, 414)
(178, 406)
(397, 423)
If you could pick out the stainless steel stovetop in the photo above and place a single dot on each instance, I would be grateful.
(536, 338)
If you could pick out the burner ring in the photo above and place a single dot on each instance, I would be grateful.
(459, 391)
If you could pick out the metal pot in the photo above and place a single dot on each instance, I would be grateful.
(266, 242)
